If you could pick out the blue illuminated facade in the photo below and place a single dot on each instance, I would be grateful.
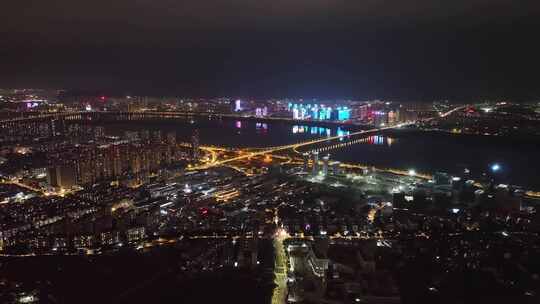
(319, 112)
(344, 113)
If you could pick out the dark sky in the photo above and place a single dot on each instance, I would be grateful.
(408, 49)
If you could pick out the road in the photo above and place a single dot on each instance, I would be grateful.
(454, 110)
(16, 183)
(280, 268)
(309, 142)
(291, 146)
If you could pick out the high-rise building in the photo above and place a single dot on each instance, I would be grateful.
(336, 169)
(57, 127)
(99, 132)
(63, 176)
(315, 158)
(171, 150)
(106, 157)
(195, 145)
(171, 139)
(145, 137)
(87, 167)
(237, 105)
(156, 137)
(326, 159)
(145, 161)
(344, 113)
(393, 118)
(131, 135)
(135, 161)
(398, 200)
(52, 176)
(305, 157)
(362, 112)
(117, 160)
(155, 160)
(442, 178)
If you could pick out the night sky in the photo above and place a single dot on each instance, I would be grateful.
(416, 49)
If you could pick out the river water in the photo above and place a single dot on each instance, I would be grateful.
(424, 152)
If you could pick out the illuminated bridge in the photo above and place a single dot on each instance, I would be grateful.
(292, 146)
(348, 143)
(151, 115)
(295, 146)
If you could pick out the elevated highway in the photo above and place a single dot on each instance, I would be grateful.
(295, 146)
(291, 146)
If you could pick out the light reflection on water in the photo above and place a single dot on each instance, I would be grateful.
(321, 131)
(426, 152)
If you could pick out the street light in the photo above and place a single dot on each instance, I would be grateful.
(412, 172)
(495, 167)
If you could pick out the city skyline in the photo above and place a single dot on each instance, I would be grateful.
(304, 200)
(270, 151)
(77, 94)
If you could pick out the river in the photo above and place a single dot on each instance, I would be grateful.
(423, 151)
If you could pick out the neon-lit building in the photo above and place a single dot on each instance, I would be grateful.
(303, 113)
(315, 112)
(238, 105)
(295, 113)
(328, 113)
(325, 113)
(261, 112)
(319, 112)
(344, 113)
